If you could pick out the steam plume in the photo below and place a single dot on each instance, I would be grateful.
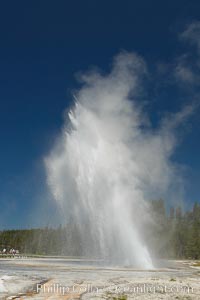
(108, 162)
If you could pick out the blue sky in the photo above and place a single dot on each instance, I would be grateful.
(45, 43)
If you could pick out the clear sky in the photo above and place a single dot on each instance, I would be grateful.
(45, 43)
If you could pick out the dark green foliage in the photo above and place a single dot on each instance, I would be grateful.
(173, 234)
(46, 241)
(177, 234)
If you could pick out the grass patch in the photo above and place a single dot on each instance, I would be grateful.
(121, 297)
(110, 296)
(172, 279)
(197, 264)
(183, 297)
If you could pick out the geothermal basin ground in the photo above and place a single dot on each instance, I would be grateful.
(58, 278)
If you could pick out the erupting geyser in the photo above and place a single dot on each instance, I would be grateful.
(107, 162)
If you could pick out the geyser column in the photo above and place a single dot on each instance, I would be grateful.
(96, 170)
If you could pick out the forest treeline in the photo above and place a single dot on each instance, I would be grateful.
(172, 234)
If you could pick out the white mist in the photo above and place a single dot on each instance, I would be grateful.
(105, 165)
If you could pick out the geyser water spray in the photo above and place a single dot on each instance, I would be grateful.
(106, 164)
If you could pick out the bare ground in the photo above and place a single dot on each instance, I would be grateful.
(53, 279)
